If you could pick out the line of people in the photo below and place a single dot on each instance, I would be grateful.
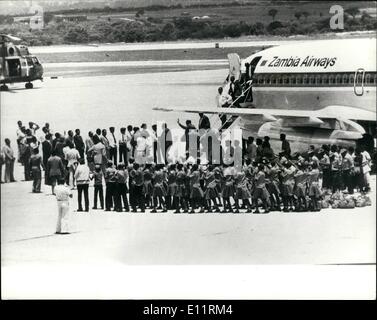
(265, 179)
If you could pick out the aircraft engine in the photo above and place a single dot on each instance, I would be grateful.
(301, 137)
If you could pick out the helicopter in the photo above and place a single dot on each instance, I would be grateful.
(17, 64)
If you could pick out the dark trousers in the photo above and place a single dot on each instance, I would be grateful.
(82, 153)
(122, 192)
(131, 195)
(98, 191)
(109, 197)
(80, 189)
(37, 178)
(336, 180)
(113, 155)
(348, 181)
(117, 198)
(27, 169)
(123, 154)
(9, 171)
(139, 197)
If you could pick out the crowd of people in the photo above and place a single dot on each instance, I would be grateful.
(109, 161)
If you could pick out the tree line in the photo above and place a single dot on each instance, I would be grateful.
(181, 28)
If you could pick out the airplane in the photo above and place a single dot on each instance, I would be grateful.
(316, 92)
(17, 64)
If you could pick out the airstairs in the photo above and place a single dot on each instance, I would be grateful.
(231, 121)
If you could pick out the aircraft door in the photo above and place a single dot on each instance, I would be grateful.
(358, 82)
(14, 67)
(253, 65)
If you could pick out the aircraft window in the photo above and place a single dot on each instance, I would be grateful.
(273, 80)
(331, 79)
(345, 78)
(367, 78)
(338, 79)
(285, 80)
(279, 80)
(268, 80)
(325, 80)
(318, 80)
(351, 79)
(373, 79)
(299, 79)
(292, 80)
(260, 80)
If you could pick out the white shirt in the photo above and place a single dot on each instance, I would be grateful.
(141, 143)
(128, 139)
(222, 99)
(112, 142)
(82, 174)
(72, 155)
(122, 139)
(144, 133)
(20, 134)
(62, 192)
(366, 161)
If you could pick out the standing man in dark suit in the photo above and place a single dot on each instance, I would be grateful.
(285, 147)
(204, 122)
(105, 142)
(46, 149)
(79, 143)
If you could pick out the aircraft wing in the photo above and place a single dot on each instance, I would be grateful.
(329, 112)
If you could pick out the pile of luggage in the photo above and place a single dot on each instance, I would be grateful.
(345, 201)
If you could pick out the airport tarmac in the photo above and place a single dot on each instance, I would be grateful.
(90, 102)
(110, 255)
(332, 236)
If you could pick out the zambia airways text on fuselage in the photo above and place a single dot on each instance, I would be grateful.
(308, 61)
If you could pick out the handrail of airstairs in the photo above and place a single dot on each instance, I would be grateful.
(230, 106)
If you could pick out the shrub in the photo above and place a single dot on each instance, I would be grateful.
(76, 34)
